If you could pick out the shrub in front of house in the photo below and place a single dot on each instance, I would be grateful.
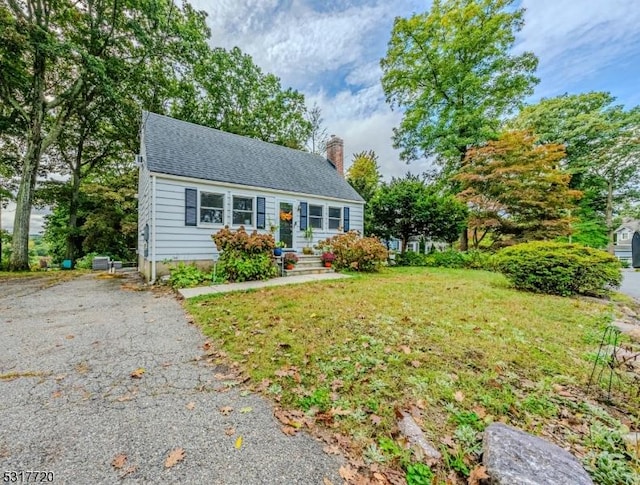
(356, 253)
(449, 258)
(245, 257)
(559, 268)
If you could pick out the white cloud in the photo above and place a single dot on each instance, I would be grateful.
(578, 41)
(36, 222)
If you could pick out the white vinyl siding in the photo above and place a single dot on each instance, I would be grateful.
(178, 242)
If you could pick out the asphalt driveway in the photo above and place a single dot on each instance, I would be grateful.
(631, 283)
(69, 403)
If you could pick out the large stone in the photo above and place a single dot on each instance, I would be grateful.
(410, 429)
(513, 457)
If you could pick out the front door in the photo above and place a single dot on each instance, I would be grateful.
(285, 215)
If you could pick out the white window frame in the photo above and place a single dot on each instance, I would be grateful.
(329, 218)
(234, 210)
(316, 218)
(200, 207)
(624, 236)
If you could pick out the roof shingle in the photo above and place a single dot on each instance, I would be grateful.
(185, 149)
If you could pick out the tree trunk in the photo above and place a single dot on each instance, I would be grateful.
(72, 224)
(464, 234)
(609, 216)
(20, 242)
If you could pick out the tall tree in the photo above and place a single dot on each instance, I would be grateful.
(602, 143)
(451, 72)
(515, 189)
(364, 176)
(52, 52)
(318, 136)
(407, 207)
(227, 90)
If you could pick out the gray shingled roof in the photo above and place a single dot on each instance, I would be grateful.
(176, 147)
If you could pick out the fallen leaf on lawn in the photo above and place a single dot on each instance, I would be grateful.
(246, 409)
(264, 384)
(69, 337)
(375, 419)
(226, 410)
(347, 472)
(340, 412)
(128, 471)
(459, 396)
(406, 349)
(331, 450)
(137, 374)
(448, 440)
(238, 443)
(477, 474)
(480, 411)
(379, 476)
(288, 430)
(230, 431)
(191, 405)
(56, 394)
(174, 456)
(416, 363)
(119, 461)
(206, 345)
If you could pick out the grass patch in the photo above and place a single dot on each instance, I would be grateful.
(10, 376)
(461, 346)
(50, 277)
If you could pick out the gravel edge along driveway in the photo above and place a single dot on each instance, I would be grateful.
(69, 405)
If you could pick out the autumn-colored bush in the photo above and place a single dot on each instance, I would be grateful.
(245, 257)
(254, 243)
(356, 253)
(559, 268)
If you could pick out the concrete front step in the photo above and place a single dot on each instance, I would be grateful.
(297, 271)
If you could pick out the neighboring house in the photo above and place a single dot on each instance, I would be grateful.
(195, 180)
(623, 236)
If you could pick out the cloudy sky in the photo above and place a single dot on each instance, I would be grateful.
(330, 50)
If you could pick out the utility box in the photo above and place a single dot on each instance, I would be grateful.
(100, 263)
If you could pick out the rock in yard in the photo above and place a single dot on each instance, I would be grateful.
(410, 429)
(513, 457)
(633, 442)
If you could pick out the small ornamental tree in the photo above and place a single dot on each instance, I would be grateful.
(516, 190)
(245, 257)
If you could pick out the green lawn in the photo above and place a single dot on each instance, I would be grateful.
(459, 348)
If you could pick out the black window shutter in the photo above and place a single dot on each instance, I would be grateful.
(190, 207)
(261, 204)
(346, 219)
(304, 216)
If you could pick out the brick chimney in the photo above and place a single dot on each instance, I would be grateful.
(335, 153)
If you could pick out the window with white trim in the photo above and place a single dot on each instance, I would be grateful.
(624, 236)
(315, 216)
(335, 217)
(211, 208)
(242, 211)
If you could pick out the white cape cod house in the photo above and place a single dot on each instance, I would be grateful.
(195, 180)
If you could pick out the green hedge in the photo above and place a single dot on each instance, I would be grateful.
(446, 259)
(559, 268)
